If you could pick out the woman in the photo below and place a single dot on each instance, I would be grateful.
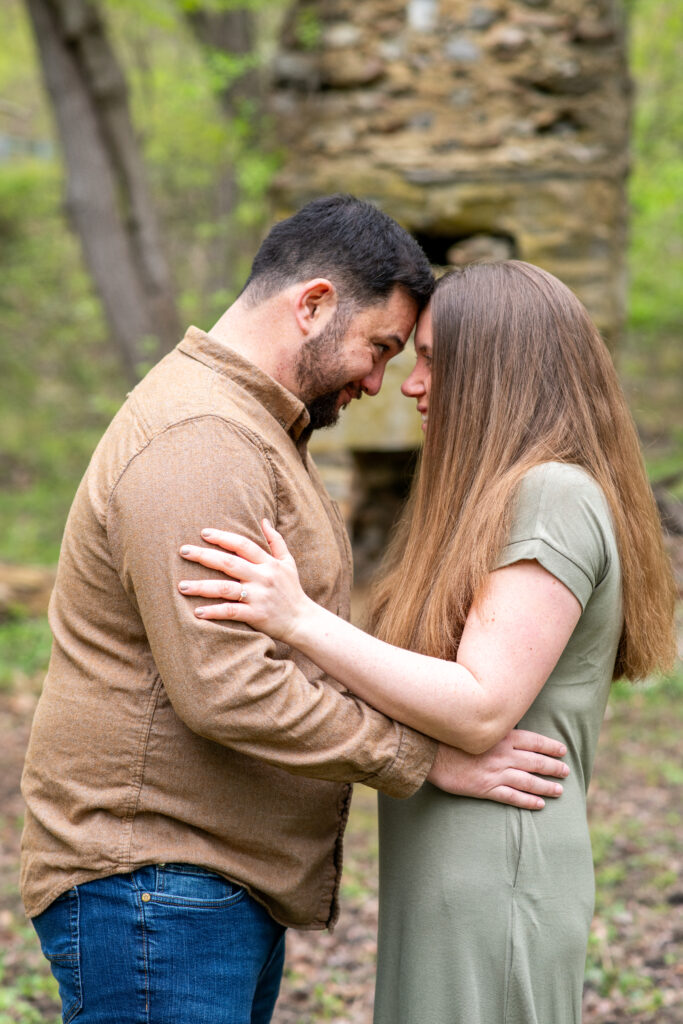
(527, 573)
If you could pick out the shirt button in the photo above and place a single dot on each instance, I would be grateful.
(146, 897)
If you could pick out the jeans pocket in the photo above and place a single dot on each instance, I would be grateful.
(58, 931)
(187, 885)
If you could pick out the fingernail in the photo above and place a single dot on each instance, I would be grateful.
(565, 770)
(185, 550)
(558, 788)
(268, 523)
(208, 533)
(199, 612)
(183, 586)
(540, 804)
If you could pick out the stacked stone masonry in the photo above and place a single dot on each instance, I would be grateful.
(506, 120)
(488, 128)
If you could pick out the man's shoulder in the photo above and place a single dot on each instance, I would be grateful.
(178, 409)
(179, 390)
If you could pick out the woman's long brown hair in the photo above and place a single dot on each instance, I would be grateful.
(520, 376)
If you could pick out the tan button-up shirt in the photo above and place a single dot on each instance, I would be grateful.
(159, 737)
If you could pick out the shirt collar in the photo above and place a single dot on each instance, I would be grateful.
(286, 408)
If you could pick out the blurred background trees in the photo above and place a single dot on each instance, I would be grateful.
(160, 102)
(107, 200)
(177, 204)
(168, 101)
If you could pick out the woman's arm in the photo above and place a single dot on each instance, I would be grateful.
(512, 640)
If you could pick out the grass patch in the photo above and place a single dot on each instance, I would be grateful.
(28, 991)
(24, 651)
(657, 689)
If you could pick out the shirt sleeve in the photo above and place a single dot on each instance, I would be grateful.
(227, 682)
(558, 521)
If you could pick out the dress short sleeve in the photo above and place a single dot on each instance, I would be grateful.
(561, 518)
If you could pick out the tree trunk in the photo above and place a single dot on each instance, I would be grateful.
(232, 32)
(107, 198)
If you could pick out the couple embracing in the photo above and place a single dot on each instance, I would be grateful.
(188, 774)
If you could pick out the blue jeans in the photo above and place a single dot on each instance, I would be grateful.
(167, 944)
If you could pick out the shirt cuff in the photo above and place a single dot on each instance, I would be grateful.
(556, 563)
(410, 767)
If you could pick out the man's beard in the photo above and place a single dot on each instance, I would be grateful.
(319, 361)
(324, 411)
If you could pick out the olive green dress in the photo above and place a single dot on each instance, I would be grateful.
(485, 909)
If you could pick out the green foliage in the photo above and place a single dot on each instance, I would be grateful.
(656, 300)
(226, 68)
(254, 175)
(308, 29)
(191, 145)
(64, 383)
(28, 995)
(174, 107)
(660, 689)
(328, 1005)
(63, 380)
(24, 650)
(216, 6)
(656, 255)
(606, 976)
(23, 115)
(635, 834)
(651, 357)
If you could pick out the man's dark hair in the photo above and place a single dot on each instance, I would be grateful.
(360, 249)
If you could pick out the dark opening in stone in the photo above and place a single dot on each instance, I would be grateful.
(457, 250)
(564, 124)
(381, 482)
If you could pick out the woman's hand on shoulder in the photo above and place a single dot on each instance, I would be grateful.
(262, 590)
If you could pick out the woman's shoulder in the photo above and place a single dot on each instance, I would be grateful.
(562, 520)
(561, 485)
(563, 474)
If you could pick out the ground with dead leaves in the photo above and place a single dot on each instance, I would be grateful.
(635, 965)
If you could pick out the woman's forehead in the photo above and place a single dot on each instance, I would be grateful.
(423, 331)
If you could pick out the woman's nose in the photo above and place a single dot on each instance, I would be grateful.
(413, 386)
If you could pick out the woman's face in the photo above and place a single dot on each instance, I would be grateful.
(418, 384)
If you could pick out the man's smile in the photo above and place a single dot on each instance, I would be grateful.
(347, 394)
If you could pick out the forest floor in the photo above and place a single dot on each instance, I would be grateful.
(635, 965)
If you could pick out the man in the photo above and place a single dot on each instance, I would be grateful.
(187, 786)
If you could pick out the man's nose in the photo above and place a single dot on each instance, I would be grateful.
(373, 382)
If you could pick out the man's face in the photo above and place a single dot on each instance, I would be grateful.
(349, 355)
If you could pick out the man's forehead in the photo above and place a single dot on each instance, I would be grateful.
(397, 315)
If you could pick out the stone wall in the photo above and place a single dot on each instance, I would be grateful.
(489, 128)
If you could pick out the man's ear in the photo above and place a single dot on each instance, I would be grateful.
(315, 303)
